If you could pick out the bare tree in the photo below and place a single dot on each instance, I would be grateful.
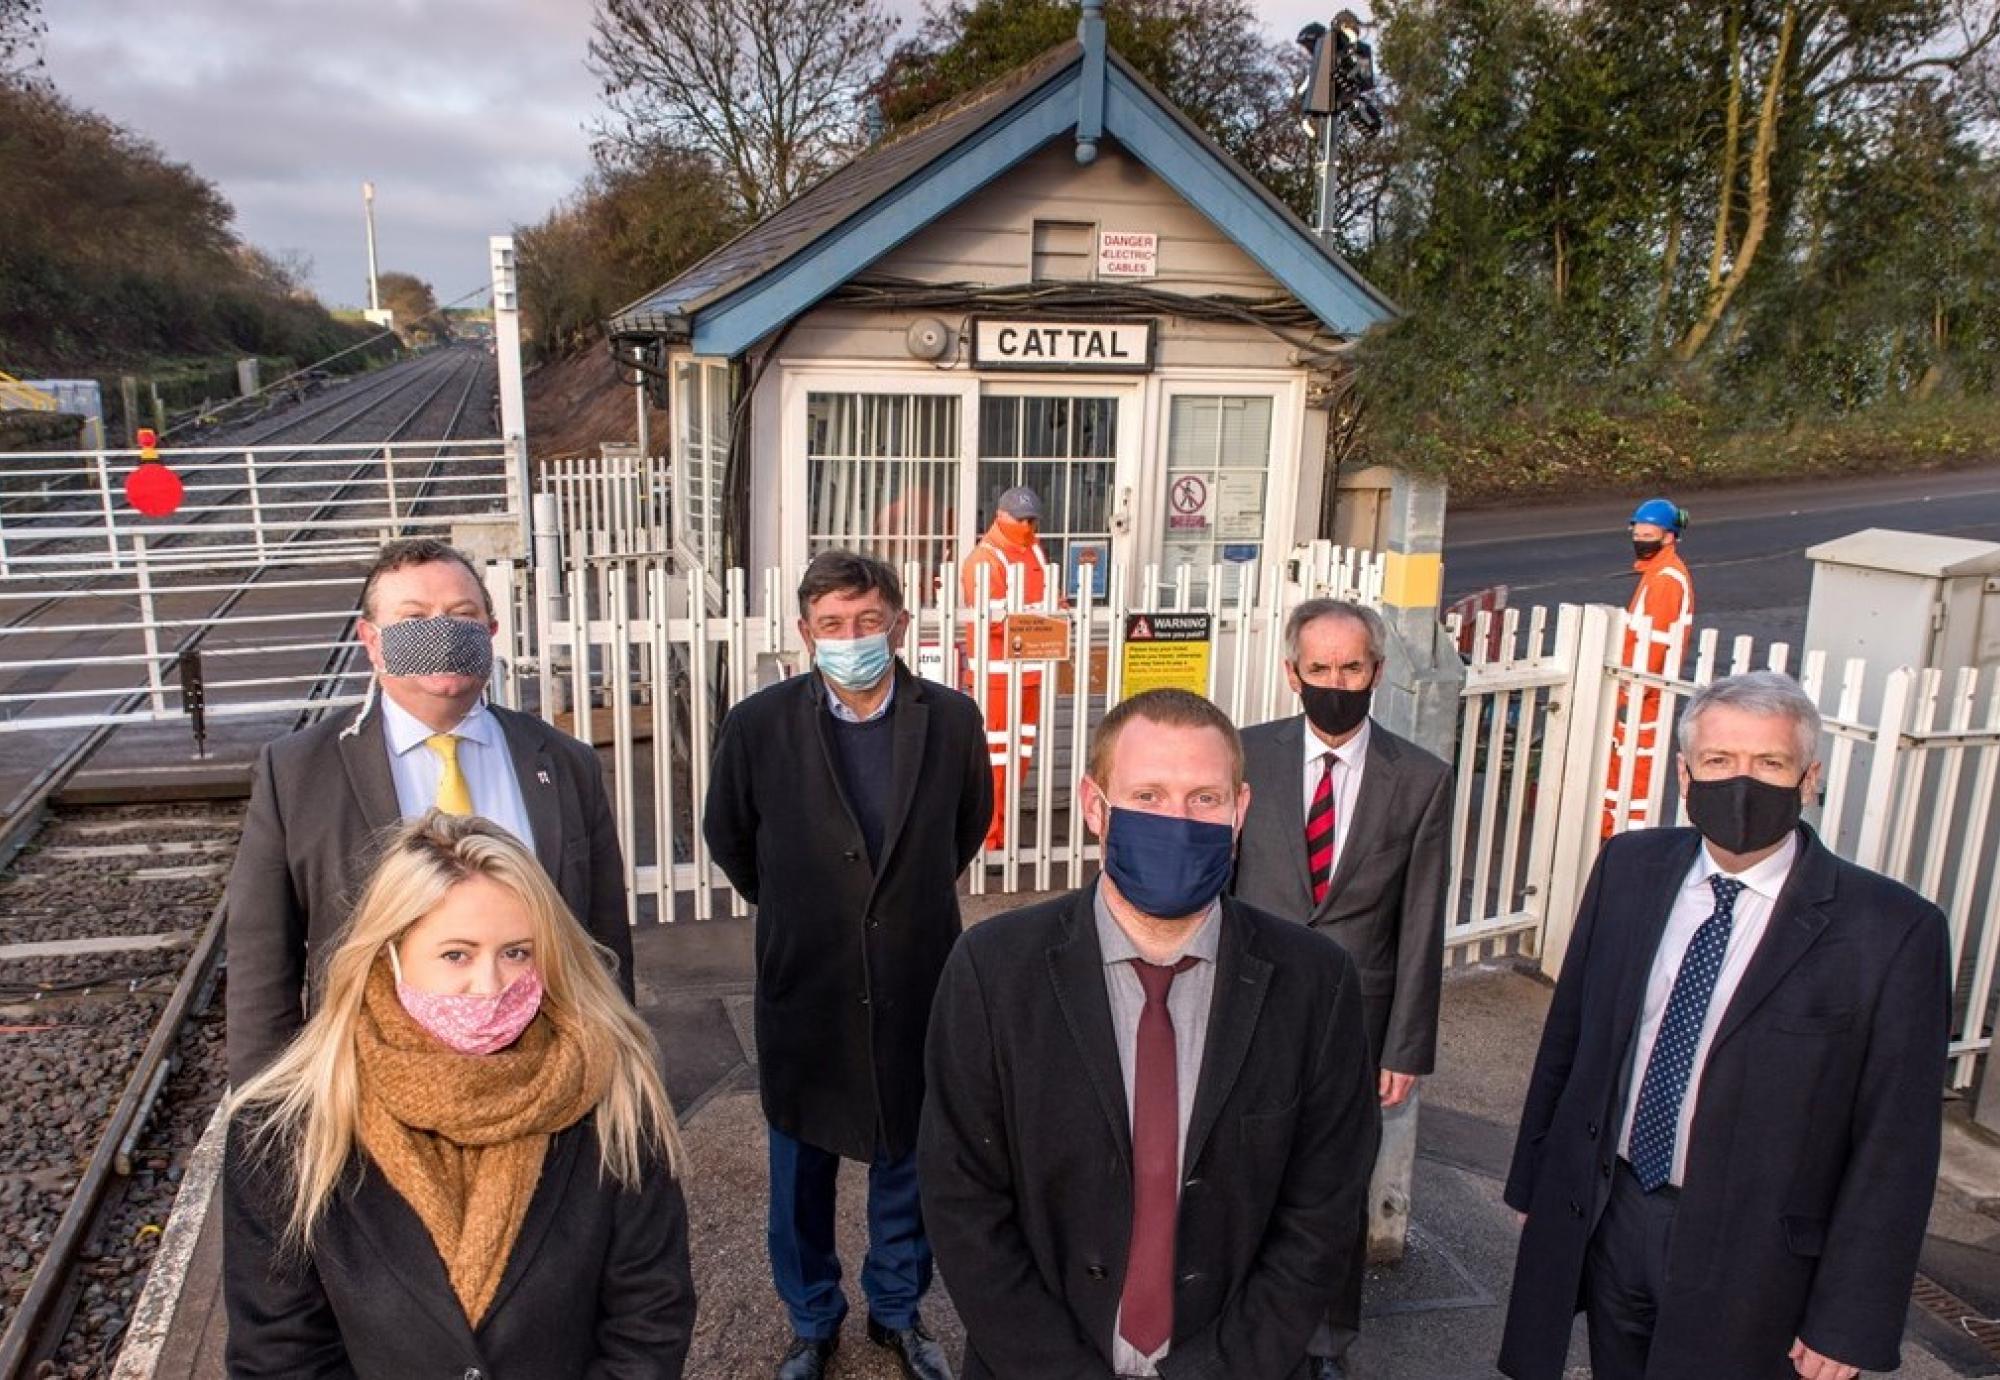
(21, 30)
(772, 90)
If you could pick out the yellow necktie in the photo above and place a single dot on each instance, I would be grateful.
(454, 796)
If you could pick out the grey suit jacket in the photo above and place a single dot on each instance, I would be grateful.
(321, 801)
(1386, 906)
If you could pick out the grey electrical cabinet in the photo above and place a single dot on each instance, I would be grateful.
(1904, 599)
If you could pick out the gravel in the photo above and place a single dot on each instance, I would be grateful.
(72, 1028)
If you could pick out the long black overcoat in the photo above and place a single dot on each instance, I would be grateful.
(848, 956)
(1814, 1147)
(1026, 1154)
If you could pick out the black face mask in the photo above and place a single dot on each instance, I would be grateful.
(1334, 711)
(1646, 550)
(1740, 814)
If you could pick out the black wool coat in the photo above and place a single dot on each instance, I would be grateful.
(321, 802)
(848, 956)
(1026, 1155)
(597, 1286)
(1813, 1152)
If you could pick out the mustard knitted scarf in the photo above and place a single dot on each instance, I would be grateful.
(462, 1137)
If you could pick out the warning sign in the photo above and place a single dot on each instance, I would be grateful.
(1037, 637)
(1187, 504)
(1166, 651)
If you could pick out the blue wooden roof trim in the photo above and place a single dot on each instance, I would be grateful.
(739, 320)
(1265, 231)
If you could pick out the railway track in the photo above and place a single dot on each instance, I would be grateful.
(111, 1052)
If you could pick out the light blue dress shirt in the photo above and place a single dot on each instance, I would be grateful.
(482, 756)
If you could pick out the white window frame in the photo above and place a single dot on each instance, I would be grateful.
(1281, 484)
(800, 379)
(700, 547)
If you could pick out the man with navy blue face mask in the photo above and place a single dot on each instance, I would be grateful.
(844, 805)
(1152, 1110)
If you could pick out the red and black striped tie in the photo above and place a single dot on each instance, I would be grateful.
(1319, 834)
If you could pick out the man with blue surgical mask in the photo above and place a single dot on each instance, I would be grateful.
(322, 799)
(843, 805)
(1151, 1109)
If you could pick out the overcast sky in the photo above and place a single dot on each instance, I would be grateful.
(470, 116)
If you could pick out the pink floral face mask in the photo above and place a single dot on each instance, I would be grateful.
(469, 1022)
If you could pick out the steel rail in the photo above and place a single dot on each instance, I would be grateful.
(26, 811)
(35, 1328)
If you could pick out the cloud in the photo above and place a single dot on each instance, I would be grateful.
(470, 116)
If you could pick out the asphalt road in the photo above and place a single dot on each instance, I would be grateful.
(1745, 547)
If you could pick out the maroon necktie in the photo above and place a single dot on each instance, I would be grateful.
(1146, 1309)
(1319, 834)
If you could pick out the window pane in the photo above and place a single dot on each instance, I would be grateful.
(882, 476)
(1218, 463)
(1063, 448)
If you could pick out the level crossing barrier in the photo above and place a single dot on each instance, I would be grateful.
(1910, 759)
(97, 603)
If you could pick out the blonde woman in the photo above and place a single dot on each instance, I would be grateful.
(465, 1164)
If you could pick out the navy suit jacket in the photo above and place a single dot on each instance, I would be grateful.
(1812, 1157)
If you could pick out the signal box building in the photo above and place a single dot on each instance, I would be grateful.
(1058, 281)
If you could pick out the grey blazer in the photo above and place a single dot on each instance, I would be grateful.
(320, 801)
(1386, 906)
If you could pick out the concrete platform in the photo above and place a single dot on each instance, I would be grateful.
(1437, 1316)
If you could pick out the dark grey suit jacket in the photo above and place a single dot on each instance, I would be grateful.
(1386, 906)
(320, 803)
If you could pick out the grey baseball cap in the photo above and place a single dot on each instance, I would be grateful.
(1021, 502)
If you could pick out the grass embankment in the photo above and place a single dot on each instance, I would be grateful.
(1541, 453)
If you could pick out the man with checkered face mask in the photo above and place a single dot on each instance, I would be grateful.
(425, 738)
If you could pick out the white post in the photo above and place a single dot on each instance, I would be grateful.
(389, 482)
(644, 434)
(1579, 822)
(368, 211)
(110, 509)
(148, 629)
(507, 355)
(256, 501)
(1871, 848)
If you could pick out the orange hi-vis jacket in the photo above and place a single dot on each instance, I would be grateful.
(1665, 596)
(983, 579)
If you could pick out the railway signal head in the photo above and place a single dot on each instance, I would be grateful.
(149, 443)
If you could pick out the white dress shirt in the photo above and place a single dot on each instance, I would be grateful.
(847, 716)
(1693, 904)
(1350, 760)
(482, 757)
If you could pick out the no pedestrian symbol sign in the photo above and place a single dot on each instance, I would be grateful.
(1188, 504)
(1166, 651)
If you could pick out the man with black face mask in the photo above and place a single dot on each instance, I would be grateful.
(1150, 1111)
(321, 798)
(1350, 832)
(1730, 1141)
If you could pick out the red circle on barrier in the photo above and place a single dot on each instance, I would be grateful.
(154, 489)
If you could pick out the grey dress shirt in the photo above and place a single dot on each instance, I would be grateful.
(1188, 1002)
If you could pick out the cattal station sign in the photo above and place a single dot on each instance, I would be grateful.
(1000, 342)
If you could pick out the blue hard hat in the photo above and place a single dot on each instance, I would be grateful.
(1661, 512)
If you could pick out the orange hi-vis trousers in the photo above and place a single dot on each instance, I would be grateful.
(1665, 599)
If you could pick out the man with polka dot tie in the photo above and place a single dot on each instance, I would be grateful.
(1730, 1140)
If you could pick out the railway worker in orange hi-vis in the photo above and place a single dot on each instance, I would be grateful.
(1010, 542)
(1664, 599)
